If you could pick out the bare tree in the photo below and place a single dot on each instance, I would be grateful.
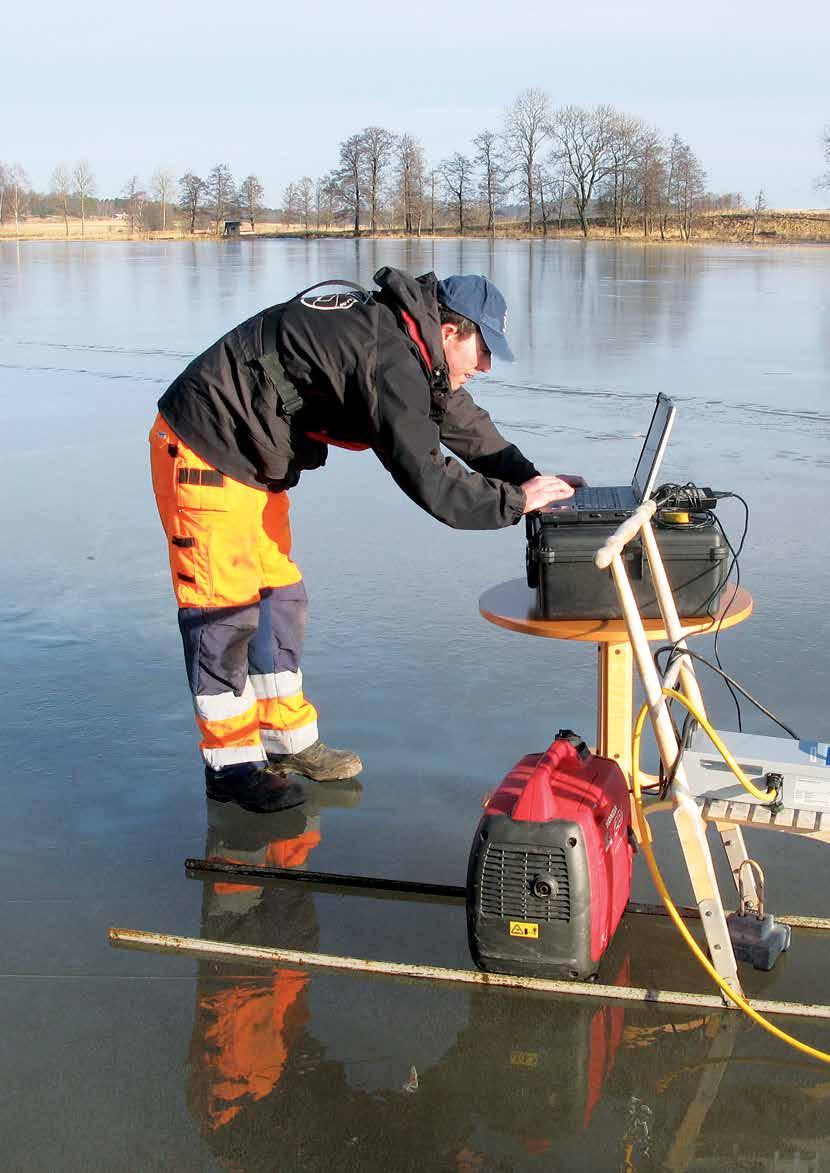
(161, 185)
(409, 157)
(456, 173)
(305, 199)
(433, 176)
(220, 192)
(191, 194)
(136, 198)
(319, 202)
(725, 201)
(289, 204)
(351, 176)
(560, 180)
(650, 178)
(492, 170)
(583, 135)
(4, 183)
(824, 180)
(624, 148)
(19, 188)
(61, 186)
(326, 195)
(419, 194)
(377, 151)
(84, 185)
(550, 189)
(526, 126)
(251, 195)
(675, 151)
(757, 209)
(540, 186)
(687, 185)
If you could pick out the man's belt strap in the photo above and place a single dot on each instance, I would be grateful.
(290, 401)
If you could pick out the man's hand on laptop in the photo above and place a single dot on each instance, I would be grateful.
(540, 490)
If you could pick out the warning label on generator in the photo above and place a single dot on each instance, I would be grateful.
(524, 1059)
(523, 928)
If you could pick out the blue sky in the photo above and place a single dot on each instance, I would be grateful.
(274, 91)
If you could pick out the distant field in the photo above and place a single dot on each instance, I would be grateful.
(773, 227)
(103, 228)
(785, 227)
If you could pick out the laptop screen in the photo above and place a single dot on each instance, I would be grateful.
(657, 437)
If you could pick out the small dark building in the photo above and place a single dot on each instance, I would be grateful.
(232, 227)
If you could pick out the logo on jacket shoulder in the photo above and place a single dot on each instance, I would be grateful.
(332, 301)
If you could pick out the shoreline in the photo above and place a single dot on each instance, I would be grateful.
(774, 231)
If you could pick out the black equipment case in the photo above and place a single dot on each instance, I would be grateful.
(560, 566)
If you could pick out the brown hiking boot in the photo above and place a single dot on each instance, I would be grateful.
(318, 762)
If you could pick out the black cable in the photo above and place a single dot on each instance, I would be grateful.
(699, 502)
(684, 740)
(683, 498)
(734, 563)
(735, 556)
(662, 785)
(690, 497)
(674, 653)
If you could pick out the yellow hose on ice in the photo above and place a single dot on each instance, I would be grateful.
(645, 843)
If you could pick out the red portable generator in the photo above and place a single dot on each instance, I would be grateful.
(550, 867)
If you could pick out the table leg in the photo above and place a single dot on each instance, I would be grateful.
(615, 703)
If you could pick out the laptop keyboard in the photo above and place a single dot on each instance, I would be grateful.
(589, 498)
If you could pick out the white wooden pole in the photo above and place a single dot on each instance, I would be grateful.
(224, 950)
(730, 834)
(674, 628)
(691, 828)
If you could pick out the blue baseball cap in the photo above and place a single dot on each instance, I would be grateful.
(479, 300)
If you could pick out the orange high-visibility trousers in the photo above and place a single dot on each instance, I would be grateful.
(242, 605)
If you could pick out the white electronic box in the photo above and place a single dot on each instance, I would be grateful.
(804, 766)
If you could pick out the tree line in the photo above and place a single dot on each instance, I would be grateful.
(542, 167)
(189, 201)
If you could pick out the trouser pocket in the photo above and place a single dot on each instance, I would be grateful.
(191, 499)
(226, 540)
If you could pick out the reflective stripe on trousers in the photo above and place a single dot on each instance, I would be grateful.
(242, 606)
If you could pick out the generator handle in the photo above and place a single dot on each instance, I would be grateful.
(559, 752)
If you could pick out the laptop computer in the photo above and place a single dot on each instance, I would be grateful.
(610, 504)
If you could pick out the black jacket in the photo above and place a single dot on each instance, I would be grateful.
(362, 379)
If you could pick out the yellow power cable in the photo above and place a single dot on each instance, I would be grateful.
(645, 843)
(717, 741)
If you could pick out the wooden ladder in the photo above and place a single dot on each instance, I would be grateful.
(691, 817)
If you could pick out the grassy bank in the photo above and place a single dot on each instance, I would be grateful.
(770, 228)
(107, 228)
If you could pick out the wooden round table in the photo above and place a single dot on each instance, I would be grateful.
(513, 605)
